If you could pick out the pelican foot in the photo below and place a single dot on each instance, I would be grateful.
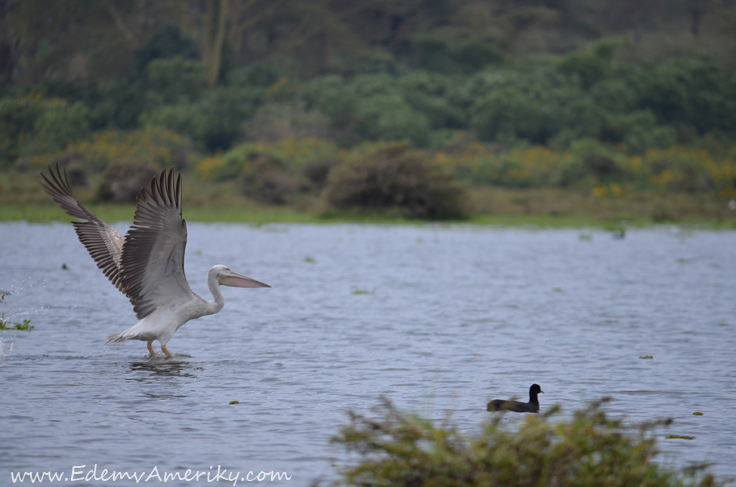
(166, 351)
(151, 350)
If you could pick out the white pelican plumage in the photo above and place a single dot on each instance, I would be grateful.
(148, 264)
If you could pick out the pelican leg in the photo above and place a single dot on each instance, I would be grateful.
(150, 348)
(166, 351)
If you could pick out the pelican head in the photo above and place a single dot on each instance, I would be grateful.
(226, 277)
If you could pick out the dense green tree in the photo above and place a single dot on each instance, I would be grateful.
(166, 43)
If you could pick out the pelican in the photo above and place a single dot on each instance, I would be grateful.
(148, 264)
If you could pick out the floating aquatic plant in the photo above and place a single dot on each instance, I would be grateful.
(5, 321)
(26, 325)
(697, 413)
(5, 324)
(362, 291)
(309, 260)
(234, 402)
(680, 437)
(646, 356)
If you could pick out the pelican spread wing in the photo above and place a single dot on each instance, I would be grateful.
(153, 253)
(104, 243)
(148, 264)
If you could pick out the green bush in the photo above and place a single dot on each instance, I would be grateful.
(212, 123)
(431, 53)
(374, 106)
(533, 79)
(588, 450)
(434, 53)
(183, 118)
(389, 117)
(657, 137)
(123, 180)
(265, 180)
(591, 163)
(119, 103)
(177, 79)
(160, 147)
(166, 43)
(278, 121)
(262, 74)
(330, 95)
(293, 154)
(615, 95)
(33, 125)
(398, 179)
(532, 104)
(583, 95)
(367, 85)
(587, 67)
(317, 171)
(574, 116)
(18, 118)
(61, 123)
(434, 95)
(370, 63)
(689, 92)
(508, 114)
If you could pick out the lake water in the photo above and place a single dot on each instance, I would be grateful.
(439, 319)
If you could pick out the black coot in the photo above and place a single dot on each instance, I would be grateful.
(519, 407)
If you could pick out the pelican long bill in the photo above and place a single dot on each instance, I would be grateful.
(234, 279)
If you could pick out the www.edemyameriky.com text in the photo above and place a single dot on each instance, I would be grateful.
(82, 473)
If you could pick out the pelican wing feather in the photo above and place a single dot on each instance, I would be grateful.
(153, 253)
(104, 243)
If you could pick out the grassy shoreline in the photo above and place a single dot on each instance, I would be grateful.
(22, 198)
(264, 215)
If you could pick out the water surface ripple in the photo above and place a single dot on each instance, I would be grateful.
(438, 318)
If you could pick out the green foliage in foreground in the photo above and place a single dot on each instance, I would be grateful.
(588, 450)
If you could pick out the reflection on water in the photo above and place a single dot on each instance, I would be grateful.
(160, 366)
(448, 317)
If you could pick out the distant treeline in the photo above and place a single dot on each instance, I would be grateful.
(638, 74)
(88, 40)
(295, 99)
(585, 94)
